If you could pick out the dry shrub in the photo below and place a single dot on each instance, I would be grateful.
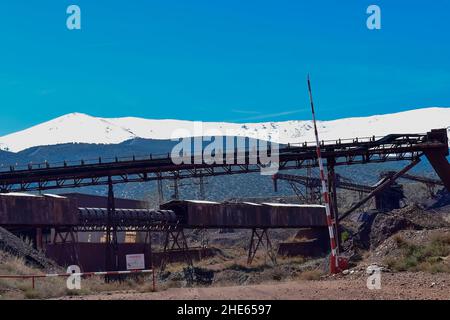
(310, 275)
(429, 257)
(22, 288)
(54, 287)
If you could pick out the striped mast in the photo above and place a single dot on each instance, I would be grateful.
(325, 194)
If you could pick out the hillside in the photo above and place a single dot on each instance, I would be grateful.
(82, 128)
(77, 136)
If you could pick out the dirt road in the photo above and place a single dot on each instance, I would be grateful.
(394, 286)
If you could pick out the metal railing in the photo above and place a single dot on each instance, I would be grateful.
(33, 277)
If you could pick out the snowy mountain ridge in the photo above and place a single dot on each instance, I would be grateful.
(83, 128)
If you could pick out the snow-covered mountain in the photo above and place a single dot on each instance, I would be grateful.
(82, 128)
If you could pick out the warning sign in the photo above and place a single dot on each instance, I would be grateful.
(135, 261)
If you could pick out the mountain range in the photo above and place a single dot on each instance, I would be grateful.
(78, 136)
(86, 129)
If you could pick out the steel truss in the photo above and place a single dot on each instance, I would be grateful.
(260, 237)
(175, 241)
(36, 177)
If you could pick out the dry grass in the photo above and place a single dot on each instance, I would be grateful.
(229, 266)
(22, 288)
(310, 275)
(431, 257)
(291, 260)
(175, 267)
(46, 288)
(230, 269)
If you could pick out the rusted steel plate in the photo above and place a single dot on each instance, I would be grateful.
(91, 256)
(247, 215)
(33, 210)
(85, 200)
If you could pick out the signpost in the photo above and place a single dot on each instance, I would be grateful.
(135, 261)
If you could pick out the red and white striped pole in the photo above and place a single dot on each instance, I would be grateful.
(334, 266)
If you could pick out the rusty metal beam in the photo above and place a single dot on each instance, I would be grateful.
(257, 239)
(416, 178)
(387, 182)
(315, 182)
(441, 166)
(111, 261)
(136, 169)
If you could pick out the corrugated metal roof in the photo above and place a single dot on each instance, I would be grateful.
(19, 194)
(202, 201)
(54, 196)
(252, 203)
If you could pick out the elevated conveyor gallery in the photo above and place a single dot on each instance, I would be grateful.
(80, 173)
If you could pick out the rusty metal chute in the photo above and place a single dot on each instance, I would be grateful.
(438, 158)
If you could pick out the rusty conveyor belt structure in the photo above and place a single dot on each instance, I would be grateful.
(96, 219)
(312, 182)
(39, 214)
(394, 147)
(193, 214)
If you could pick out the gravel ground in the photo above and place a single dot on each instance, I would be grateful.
(405, 285)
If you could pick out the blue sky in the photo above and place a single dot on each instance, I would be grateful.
(230, 60)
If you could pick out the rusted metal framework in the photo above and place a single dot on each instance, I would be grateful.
(390, 194)
(311, 182)
(394, 147)
(260, 237)
(175, 241)
(112, 221)
(177, 215)
(214, 215)
(68, 237)
(416, 178)
(95, 219)
(430, 183)
(23, 210)
(112, 246)
(387, 182)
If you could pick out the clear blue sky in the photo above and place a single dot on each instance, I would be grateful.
(233, 60)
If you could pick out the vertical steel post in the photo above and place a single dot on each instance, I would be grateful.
(111, 262)
(153, 279)
(160, 191)
(176, 194)
(202, 188)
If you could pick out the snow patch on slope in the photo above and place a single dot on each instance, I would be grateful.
(82, 128)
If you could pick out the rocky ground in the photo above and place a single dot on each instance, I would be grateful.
(411, 245)
(403, 285)
(9, 243)
(416, 238)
